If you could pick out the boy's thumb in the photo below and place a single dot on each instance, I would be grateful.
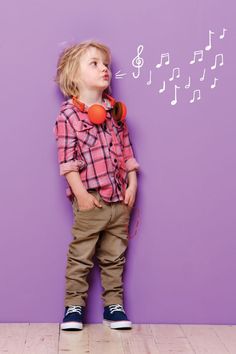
(96, 202)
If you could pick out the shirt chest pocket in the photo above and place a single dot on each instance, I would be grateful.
(87, 135)
(119, 131)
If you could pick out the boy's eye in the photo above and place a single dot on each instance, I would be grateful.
(106, 64)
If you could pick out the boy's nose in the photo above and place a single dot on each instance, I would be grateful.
(103, 67)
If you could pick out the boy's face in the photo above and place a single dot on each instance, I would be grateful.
(94, 71)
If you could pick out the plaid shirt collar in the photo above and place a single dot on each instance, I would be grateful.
(83, 115)
(106, 104)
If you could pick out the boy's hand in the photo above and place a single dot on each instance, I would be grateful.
(87, 201)
(130, 195)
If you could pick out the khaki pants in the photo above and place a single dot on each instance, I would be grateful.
(102, 232)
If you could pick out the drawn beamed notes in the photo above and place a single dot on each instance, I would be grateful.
(163, 87)
(208, 47)
(198, 54)
(174, 101)
(196, 93)
(138, 62)
(218, 57)
(166, 57)
(173, 74)
(223, 34)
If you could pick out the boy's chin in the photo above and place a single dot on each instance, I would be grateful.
(102, 87)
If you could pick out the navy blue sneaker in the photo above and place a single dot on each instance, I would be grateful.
(115, 317)
(73, 318)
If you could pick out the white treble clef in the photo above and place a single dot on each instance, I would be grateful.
(138, 62)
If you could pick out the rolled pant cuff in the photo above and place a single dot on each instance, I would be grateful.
(113, 301)
(74, 303)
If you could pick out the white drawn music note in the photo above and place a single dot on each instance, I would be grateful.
(189, 83)
(208, 47)
(223, 34)
(214, 84)
(196, 54)
(202, 78)
(138, 62)
(150, 78)
(195, 92)
(165, 56)
(163, 87)
(216, 61)
(173, 74)
(174, 101)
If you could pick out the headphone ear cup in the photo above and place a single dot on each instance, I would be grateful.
(97, 114)
(119, 111)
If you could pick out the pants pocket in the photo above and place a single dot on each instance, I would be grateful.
(76, 206)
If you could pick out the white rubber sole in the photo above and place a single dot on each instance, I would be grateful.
(71, 326)
(117, 324)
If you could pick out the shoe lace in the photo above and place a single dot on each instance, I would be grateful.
(117, 307)
(72, 309)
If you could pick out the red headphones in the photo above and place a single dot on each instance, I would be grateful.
(97, 113)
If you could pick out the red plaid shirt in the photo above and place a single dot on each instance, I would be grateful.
(102, 154)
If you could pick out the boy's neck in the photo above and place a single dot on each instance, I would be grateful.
(91, 98)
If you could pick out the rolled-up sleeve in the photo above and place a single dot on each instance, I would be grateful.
(128, 153)
(69, 156)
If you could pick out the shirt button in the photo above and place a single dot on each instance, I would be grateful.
(115, 160)
(111, 144)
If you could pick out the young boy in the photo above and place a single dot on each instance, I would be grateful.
(98, 163)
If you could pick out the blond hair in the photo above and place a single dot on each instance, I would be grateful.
(68, 63)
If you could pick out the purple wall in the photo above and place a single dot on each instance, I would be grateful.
(181, 262)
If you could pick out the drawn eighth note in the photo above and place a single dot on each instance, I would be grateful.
(189, 83)
(223, 34)
(214, 84)
(202, 78)
(138, 62)
(208, 47)
(216, 61)
(150, 78)
(163, 87)
(195, 92)
(173, 74)
(174, 101)
(196, 54)
(165, 56)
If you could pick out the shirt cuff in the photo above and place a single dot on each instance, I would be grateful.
(132, 164)
(75, 165)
